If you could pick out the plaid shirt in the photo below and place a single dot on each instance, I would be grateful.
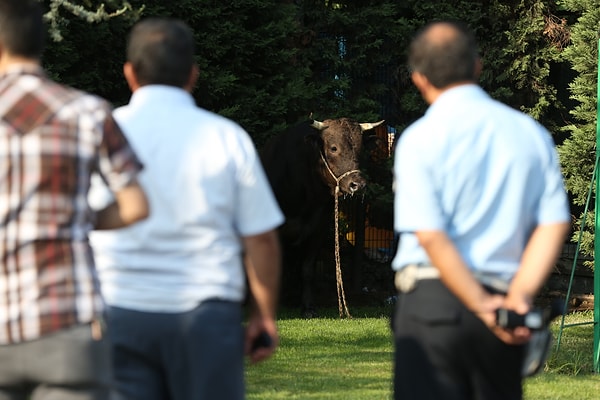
(51, 139)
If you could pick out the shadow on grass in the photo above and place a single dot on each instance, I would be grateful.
(332, 312)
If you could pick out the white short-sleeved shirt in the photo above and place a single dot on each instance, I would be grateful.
(482, 172)
(206, 190)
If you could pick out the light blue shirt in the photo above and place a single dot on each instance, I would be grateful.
(206, 189)
(480, 171)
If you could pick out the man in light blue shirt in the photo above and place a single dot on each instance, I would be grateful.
(175, 284)
(482, 213)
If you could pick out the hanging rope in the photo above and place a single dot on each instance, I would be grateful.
(338, 268)
(342, 306)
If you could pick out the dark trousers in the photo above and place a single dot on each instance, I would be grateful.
(195, 355)
(67, 365)
(443, 351)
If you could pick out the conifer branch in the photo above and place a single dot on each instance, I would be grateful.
(86, 13)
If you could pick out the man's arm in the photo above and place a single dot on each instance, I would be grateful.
(537, 262)
(454, 272)
(457, 277)
(263, 269)
(130, 205)
(539, 257)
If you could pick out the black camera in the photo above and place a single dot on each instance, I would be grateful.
(262, 340)
(536, 319)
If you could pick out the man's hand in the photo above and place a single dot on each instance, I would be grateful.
(257, 327)
(130, 206)
(487, 313)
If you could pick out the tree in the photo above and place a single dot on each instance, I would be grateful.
(250, 66)
(578, 152)
(269, 63)
(533, 48)
(83, 51)
(353, 55)
(84, 12)
(247, 51)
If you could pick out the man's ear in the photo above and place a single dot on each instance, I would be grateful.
(419, 80)
(193, 78)
(130, 76)
(478, 68)
(427, 90)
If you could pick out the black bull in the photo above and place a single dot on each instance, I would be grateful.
(304, 165)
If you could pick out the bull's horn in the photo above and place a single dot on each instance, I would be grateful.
(318, 125)
(368, 125)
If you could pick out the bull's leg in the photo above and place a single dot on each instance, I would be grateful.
(308, 280)
(313, 248)
(291, 275)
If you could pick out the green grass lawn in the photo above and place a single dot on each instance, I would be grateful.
(568, 374)
(332, 358)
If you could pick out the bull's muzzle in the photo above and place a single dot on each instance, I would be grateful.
(355, 186)
(352, 183)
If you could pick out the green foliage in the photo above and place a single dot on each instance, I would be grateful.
(413, 15)
(572, 355)
(515, 52)
(268, 68)
(534, 42)
(270, 63)
(89, 12)
(578, 152)
(251, 69)
(88, 56)
(353, 51)
(585, 237)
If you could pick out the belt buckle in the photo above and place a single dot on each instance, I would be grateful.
(406, 279)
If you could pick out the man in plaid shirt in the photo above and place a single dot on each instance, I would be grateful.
(51, 140)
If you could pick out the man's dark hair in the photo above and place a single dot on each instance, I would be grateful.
(161, 51)
(444, 59)
(22, 29)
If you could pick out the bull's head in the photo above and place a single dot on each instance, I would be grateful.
(341, 143)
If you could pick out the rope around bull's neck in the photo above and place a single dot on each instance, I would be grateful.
(342, 306)
(338, 268)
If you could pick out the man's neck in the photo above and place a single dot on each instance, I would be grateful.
(434, 93)
(8, 62)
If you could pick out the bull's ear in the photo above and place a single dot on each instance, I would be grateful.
(370, 138)
(313, 138)
(371, 143)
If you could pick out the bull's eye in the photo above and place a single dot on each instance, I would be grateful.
(333, 149)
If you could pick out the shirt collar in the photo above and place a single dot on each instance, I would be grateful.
(456, 95)
(162, 93)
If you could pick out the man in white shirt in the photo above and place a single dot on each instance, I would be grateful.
(175, 284)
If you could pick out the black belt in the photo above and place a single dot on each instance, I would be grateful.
(407, 278)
